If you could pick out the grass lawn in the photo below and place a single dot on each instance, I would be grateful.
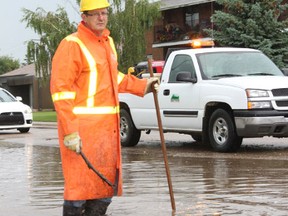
(45, 116)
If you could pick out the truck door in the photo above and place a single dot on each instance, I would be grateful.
(179, 100)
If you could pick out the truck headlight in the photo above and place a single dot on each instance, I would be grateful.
(253, 93)
(258, 99)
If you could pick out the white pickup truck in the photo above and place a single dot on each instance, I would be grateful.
(217, 95)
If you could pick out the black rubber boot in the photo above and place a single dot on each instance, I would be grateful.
(96, 208)
(73, 211)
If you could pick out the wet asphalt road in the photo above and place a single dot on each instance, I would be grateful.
(253, 181)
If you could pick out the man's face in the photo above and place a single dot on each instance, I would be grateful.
(96, 20)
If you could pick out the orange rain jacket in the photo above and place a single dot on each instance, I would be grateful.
(85, 83)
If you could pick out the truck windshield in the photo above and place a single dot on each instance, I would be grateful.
(228, 64)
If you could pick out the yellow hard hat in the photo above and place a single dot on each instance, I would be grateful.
(87, 5)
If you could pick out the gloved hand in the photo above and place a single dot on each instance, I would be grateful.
(73, 142)
(152, 82)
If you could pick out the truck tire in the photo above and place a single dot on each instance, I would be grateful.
(221, 132)
(129, 134)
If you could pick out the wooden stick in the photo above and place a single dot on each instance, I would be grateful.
(163, 145)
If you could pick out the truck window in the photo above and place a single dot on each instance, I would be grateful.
(181, 63)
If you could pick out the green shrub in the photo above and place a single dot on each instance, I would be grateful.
(45, 116)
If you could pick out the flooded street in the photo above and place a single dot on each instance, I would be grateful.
(253, 181)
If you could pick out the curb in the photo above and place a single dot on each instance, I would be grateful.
(44, 124)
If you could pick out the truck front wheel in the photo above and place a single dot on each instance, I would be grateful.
(221, 131)
(129, 134)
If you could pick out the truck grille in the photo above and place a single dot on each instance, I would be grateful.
(280, 92)
(282, 103)
(11, 118)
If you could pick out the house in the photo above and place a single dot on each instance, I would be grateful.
(181, 22)
(23, 82)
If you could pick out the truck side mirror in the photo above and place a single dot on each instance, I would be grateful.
(185, 77)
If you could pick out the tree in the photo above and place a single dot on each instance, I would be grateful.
(8, 64)
(259, 24)
(128, 22)
(51, 28)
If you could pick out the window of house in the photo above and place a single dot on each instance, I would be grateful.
(192, 19)
(181, 63)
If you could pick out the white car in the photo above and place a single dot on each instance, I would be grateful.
(13, 113)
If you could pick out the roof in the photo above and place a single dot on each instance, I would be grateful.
(27, 70)
(172, 4)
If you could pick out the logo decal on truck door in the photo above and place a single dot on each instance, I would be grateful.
(175, 98)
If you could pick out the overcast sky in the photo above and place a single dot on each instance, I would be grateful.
(14, 33)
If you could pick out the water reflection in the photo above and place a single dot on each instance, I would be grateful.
(31, 180)
(44, 176)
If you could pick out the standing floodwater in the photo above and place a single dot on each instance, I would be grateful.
(253, 181)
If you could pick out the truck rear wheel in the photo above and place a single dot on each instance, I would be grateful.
(129, 134)
(221, 131)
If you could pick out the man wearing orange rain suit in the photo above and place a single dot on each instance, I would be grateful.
(84, 85)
